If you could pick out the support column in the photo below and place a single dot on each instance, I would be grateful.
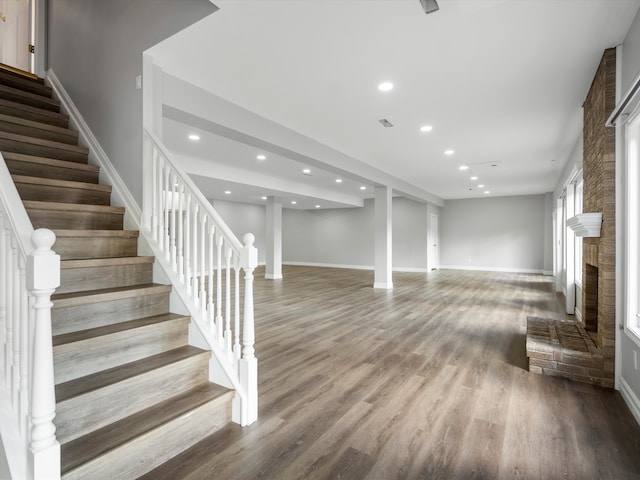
(383, 238)
(274, 239)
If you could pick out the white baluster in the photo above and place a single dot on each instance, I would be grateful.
(236, 325)
(8, 275)
(194, 253)
(219, 241)
(203, 296)
(161, 205)
(43, 276)
(24, 348)
(181, 233)
(154, 194)
(227, 305)
(172, 231)
(211, 306)
(187, 245)
(248, 363)
(165, 205)
(17, 302)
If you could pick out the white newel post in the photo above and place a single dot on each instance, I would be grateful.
(43, 277)
(248, 367)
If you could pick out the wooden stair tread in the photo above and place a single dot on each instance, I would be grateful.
(105, 262)
(66, 338)
(60, 233)
(63, 300)
(38, 125)
(94, 444)
(28, 84)
(95, 381)
(47, 103)
(37, 205)
(61, 183)
(23, 157)
(44, 143)
(58, 118)
(18, 73)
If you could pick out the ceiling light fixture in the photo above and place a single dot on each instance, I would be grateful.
(429, 6)
(293, 202)
(317, 206)
(385, 86)
(194, 137)
(487, 192)
(338, 180)
(363, 188)
(306, 171)
(227, 192)
(449, 152)
(426, 128)
(473, 178)
(261, 157)
(463, 167)
(264, 198)
(480, 186)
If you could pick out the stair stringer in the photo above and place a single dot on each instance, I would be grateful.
(221, 370)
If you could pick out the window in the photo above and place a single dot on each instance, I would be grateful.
(633, 224)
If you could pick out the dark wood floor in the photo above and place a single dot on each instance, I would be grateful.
(426, 381)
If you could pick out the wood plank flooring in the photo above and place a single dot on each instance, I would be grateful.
(427, 381)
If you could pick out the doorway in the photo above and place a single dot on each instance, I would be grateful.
(434, 243)
(14, 34)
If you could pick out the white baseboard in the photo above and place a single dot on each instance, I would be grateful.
(383, 285)
(97, 155)
(578, 314)
(271, 276)
(633, 402)
(354, 267)
(493, 269)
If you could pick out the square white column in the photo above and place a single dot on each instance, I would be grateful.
(273, 252)
(383, 238)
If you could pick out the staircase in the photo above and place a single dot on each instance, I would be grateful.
(130, 391)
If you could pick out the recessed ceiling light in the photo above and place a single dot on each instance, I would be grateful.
(338, 180)
(264, 198)
(317, 206)
(426, 128)
(306, 171)
(227, 192)
(487, 192)
(463, 167)
(385, 86)
(293, 202)
(480, 186)
(261, 157)
(474, 178)
(363, 187)
(449, 152)
(194, 137)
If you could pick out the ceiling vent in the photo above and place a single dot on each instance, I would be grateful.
(386, 123)
(429, 6)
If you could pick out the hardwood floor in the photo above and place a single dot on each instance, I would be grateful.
(426, 381)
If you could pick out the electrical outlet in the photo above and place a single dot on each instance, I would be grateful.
(138, 82)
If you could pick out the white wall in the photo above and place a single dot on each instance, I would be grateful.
(501, 233)
(95, 47)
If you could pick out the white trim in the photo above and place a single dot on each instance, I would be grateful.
(633, 402)
(383, 285)
(548, 273)
(271, 276)
(578, 315)
(97, 155)
(495, 269)
(354, 267)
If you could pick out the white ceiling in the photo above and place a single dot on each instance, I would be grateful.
(501, 82)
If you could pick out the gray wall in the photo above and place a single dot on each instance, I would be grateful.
(244, 218)
(494, 233)
(95, 47)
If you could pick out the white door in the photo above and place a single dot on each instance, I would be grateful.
(434, 247)
(14, 34)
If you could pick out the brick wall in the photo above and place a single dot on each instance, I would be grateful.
(599, 196)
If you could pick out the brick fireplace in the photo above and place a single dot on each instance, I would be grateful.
(586, 351)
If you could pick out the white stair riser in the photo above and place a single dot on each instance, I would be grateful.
(89, 356)
(84, 413)
(82, 317)
(158, 445)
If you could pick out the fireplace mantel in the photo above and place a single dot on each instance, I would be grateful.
(586, 224)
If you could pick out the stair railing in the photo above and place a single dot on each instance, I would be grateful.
(29, 274)
(199, 251)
